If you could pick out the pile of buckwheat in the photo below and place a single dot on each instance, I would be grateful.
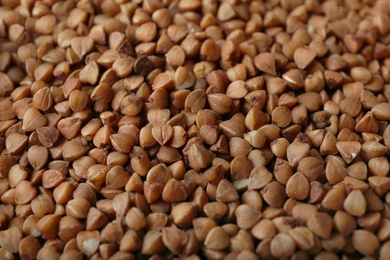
(194, 129)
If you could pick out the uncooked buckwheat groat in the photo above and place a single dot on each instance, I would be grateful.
(194, 129)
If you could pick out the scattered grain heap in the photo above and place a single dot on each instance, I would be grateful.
(194, 129)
